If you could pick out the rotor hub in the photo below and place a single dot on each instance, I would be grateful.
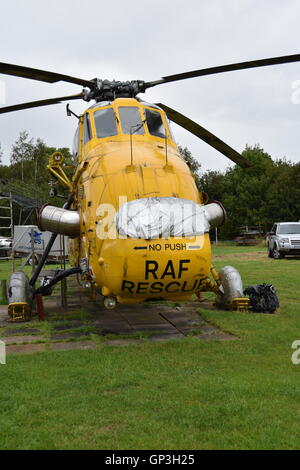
(107, 90)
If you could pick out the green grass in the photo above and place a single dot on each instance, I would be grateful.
(6, 267)
(189, 394)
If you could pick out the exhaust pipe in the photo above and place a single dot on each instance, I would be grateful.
(215, 214)
(18, 288)
(20, 297)
(58, 220)
(231, 287)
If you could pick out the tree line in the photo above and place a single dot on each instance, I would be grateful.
(267, 192)
(28, 160)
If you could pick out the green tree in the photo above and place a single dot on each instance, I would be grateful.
(213, 183)
(22, 151)
(192, 163)
(283, 193)
(246, 193)
(245, 197)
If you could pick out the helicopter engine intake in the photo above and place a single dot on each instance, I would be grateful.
(58, 220)
(215, 214)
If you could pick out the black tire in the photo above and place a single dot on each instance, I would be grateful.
(277, 254)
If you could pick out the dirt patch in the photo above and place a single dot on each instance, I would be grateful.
(24, 348)
(21, 339)
(255, 255)
(71, 345)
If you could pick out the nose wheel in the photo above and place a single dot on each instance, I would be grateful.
(110, 303)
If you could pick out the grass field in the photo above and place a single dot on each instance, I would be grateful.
(189, 394)
(6, 267)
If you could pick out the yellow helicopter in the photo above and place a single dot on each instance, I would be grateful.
(138, 227)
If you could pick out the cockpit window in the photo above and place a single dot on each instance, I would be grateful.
(131, 120)
(105, 122)
(155, 124)
(75, 147)
(87, 133)
(170, 129)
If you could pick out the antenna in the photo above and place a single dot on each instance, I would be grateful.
(166, 147)
(136, 128)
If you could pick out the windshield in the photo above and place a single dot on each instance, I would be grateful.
(131, 120)
(289, 228)
(155, 124)
(105, 122)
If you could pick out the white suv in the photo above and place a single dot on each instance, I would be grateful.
(284, 239)
(5, 242)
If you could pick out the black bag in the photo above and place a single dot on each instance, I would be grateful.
(263, 298)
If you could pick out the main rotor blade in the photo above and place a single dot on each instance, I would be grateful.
(205, 135)
(226, 68)
(36, 104)
(41, 75)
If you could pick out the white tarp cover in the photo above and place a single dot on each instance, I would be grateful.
(161, 217)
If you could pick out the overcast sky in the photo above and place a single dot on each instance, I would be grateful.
(128, 40)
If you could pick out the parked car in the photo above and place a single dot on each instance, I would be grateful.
(5, 246)
(284, 239)
(5, 242)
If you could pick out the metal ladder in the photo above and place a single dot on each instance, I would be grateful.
(7, 216)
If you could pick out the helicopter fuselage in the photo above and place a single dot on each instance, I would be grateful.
(126, 153)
